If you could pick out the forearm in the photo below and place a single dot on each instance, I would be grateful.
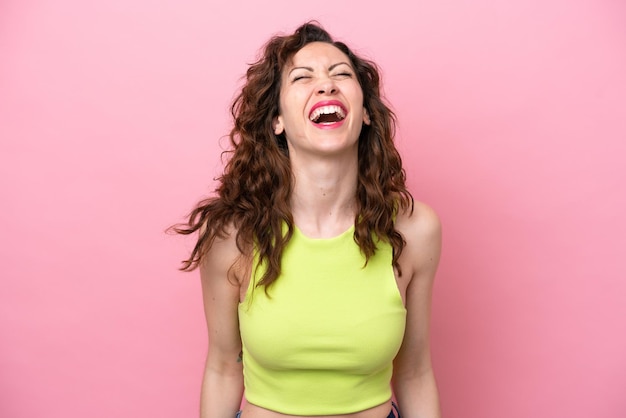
(417, 396)
(221, 394)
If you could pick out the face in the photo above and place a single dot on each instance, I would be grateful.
(321, 102)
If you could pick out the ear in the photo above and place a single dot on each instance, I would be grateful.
(366, 117)
(277, 124)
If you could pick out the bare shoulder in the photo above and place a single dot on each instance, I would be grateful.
(419, 226)
(223, 259)
(421, 229)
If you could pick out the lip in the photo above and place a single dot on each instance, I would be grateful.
(329, 103)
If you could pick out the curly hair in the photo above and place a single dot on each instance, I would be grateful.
(254, 191)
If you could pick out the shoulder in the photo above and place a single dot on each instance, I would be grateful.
(421, 229)
(422, 224)
(223, 257)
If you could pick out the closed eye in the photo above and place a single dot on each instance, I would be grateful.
(300, 77)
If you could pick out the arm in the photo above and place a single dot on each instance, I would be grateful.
(222, 385)
(413, 378)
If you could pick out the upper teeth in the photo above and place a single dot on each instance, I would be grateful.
(327, 110)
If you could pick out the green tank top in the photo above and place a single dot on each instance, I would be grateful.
(323, 341)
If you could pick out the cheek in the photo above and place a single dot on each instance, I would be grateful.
(292, 105)
(357, 93)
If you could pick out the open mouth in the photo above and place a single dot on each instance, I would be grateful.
(327, 114)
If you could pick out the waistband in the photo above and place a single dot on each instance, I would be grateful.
(394, 413)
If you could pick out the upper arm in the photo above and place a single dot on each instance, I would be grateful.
(220, 292)
(420, 258)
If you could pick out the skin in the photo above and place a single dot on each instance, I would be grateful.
(325, 167)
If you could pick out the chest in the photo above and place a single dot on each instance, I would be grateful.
(328, 309)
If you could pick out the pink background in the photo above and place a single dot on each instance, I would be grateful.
(512, 124)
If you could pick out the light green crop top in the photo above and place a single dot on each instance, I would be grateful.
(324, 340)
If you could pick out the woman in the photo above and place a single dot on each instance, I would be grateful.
(317, 266)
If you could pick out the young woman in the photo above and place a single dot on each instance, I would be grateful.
(317, 266)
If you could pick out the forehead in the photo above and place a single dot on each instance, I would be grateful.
(317, 53)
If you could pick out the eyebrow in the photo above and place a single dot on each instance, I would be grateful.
(332, 67)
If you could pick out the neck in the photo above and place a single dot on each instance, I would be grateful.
(323, 202)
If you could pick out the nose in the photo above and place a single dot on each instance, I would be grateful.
(326, 86)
